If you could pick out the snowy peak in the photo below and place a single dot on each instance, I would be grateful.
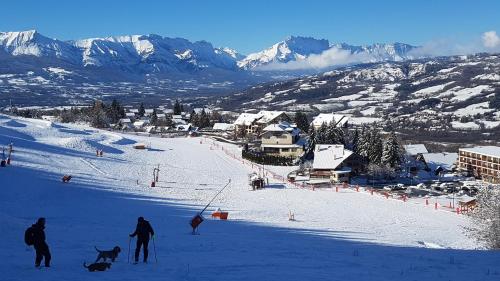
(299, 48)
(292, 48)
(34, 44)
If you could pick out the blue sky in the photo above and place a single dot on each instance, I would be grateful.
(250, 26)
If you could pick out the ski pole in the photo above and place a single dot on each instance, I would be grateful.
(128, 254)
(154, 248)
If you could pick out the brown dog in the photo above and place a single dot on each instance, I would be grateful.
(113, 254)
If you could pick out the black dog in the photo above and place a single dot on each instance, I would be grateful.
(98, 266)
(112, 254)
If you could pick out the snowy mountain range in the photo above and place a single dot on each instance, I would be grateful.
(141, 55)
(300, 48)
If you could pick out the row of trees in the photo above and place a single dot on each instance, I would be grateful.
(99, 115)
(204, 119)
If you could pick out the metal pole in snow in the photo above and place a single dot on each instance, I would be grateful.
(215, 197)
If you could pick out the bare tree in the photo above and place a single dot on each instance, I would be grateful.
(486, 218)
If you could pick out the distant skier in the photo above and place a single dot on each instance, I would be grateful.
(35, 236)
(142, 231)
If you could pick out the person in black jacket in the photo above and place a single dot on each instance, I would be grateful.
(142, 231)
(38, 238)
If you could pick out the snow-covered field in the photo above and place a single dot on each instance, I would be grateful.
(345, 235)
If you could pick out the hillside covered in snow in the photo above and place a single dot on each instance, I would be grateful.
(335, 235)
(439, 94)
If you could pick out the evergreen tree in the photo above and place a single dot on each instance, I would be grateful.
(301, 120)
(312, 141)
(392, 152)
(355, 142)
(154, 118)
(194, 119)
(321, 136)
(375, 147)
(364, 143)
(334, 135)
(177, 108)
(215, 118)
(168, 121)
(115, 112)
(204, 120)
(98, 116)
(142, 110)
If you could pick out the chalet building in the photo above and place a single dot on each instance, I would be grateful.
(253, 123)
(124, 124)
(481, 161)
(329, 163)
(340, 121)
(415, 157)
(282, 139)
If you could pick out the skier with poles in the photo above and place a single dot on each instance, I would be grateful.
(143, 232)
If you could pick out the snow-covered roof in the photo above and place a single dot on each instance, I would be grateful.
(161, 115)
(134, 110)
(445, 159)
(130, 114)
(223, 126)
(168, 111)
(282, 127)
(329, 156)
(263, 117)
(149, 111)
(140, 123)
(246, 119)
(339, 119)
(485, 150)
(414, 149)
(125, 120)
(268, 116)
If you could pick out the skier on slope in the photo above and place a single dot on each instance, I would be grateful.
(142, 231)
(35, 235)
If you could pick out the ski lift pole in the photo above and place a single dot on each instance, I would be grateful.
(220, 191)
(198, 219)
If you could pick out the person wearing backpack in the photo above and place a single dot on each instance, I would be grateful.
(35, 236)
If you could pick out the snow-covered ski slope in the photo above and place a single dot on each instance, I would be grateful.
(336, 236)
